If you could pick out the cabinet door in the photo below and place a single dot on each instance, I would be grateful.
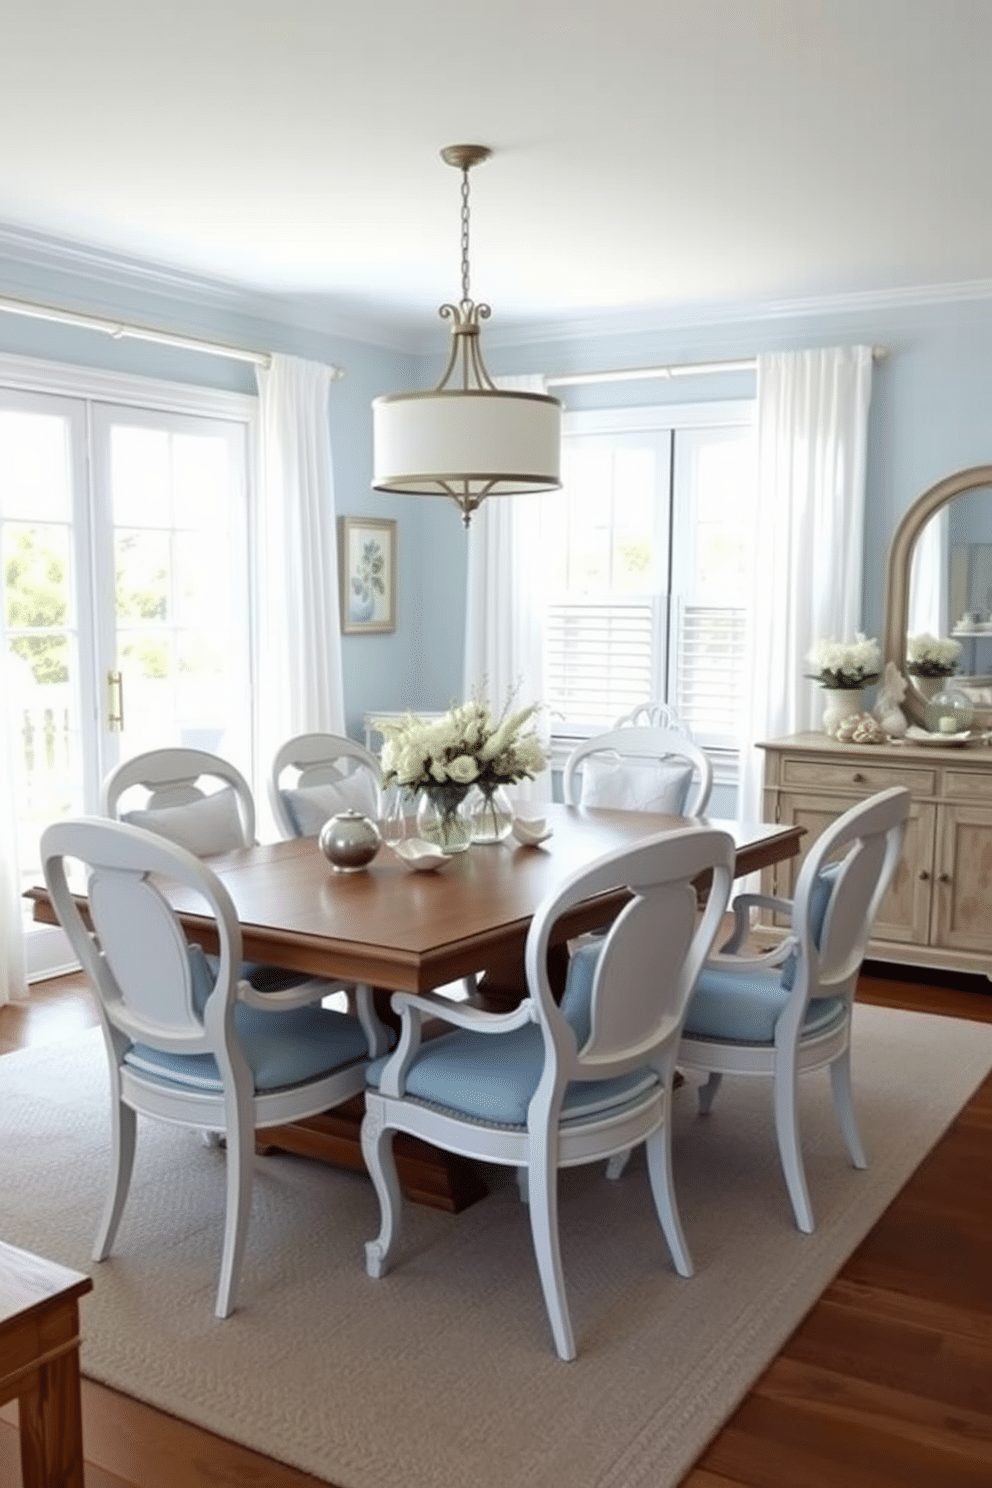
(905, 913)
(963, 888)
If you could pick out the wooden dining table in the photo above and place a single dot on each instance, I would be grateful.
(397, 929)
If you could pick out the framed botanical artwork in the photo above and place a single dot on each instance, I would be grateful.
(368, 575)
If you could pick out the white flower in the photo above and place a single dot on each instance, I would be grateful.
(846, 663)
(926, 656)
(467, 745)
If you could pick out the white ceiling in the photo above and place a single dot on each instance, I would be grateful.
(662, 153)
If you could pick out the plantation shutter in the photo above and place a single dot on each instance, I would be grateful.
(599, 659)
(707, 691)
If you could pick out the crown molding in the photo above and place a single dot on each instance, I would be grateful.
(399, 331)
(662, 319)
(108, 272)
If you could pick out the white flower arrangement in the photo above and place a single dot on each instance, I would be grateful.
(465, 747)
(846, 664)
(927, 656)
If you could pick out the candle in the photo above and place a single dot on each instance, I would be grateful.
(948, 725)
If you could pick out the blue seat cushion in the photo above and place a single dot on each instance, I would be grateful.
(744, 1007)
(281, 1048)
(493, 1077)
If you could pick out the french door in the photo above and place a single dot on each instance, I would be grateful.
(125, 626)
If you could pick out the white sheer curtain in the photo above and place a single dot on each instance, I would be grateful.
(298, 680)
(503, 632)
(12, 979)
(812, 420)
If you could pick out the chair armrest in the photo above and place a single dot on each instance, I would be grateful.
(742, 906)
(286, 998)
(415, 1007)
(773, 958)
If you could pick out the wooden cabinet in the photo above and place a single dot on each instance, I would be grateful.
(939, 910)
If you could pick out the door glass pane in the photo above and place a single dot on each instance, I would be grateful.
(180, 617)
(40, 636)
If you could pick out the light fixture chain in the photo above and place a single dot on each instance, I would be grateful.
(466, 298)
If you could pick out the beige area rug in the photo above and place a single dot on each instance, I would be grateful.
(442, 1374)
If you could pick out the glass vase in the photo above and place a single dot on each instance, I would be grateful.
(442, 818)
(490, 813)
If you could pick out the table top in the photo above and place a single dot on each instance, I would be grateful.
(411, 931)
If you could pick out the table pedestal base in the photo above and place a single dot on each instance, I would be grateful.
(441, 1180)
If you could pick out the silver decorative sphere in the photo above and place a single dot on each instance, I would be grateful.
(349, 841)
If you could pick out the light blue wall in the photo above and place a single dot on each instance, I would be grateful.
(931, 414)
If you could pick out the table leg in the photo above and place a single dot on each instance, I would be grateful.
(51, 1425)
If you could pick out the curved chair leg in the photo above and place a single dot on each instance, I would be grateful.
(617, 1164)
(790, 1152)
(240, 1172)
(543, 1189)
(707, 1092)
(377, 1150)
(840, 1084)
(659, 1153)
(123, 1138)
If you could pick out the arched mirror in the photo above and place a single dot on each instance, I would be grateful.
(940, 584)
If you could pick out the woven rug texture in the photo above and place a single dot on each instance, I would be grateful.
(442, 1374)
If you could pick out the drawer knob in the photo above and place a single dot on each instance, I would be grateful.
(924, 876)
(858, 778)
(944, 878)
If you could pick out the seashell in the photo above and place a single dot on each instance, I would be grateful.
(530, 830)
(861, 728)
(420, 855)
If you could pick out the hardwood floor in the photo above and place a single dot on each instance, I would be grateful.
(886, 1384)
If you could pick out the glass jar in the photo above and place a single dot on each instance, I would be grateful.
(442, 818)
(490, 813)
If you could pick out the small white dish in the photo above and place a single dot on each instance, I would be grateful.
(922, 736)
(530, 830)
(420, 855)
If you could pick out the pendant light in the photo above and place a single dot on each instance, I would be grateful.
(466, 438)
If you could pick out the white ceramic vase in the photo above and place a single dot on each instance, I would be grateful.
(841, 703)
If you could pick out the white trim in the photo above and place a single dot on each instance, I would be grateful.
(738, 412)
(70, 380)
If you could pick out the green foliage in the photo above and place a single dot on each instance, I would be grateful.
(35, 591)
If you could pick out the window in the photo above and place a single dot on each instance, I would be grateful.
(649, 567)
(124, 545)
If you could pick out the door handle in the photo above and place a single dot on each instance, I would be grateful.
(115, 701)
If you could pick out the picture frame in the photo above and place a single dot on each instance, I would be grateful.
(367, 560)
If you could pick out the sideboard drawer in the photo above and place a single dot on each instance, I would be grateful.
(821, 774)
(968, 785)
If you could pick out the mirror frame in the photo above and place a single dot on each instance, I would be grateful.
(897, 585)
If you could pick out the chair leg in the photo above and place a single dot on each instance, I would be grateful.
(123, 1137)
(377, 1150)
(790, 1152)
(707, 1092)
(659, 1154)
(543, 1191)
(617, 1163)
(240, 1172)
(840, 1084)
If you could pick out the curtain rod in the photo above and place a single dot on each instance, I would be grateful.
(120, 330)
(675, 369)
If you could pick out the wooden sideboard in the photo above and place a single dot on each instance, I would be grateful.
(939, 910)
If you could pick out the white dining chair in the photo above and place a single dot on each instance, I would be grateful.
(639, 768)
(316, 775)
(788, 1012)
(203, 802)
(188, 1043)
(654, 715)
(547, 1086)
